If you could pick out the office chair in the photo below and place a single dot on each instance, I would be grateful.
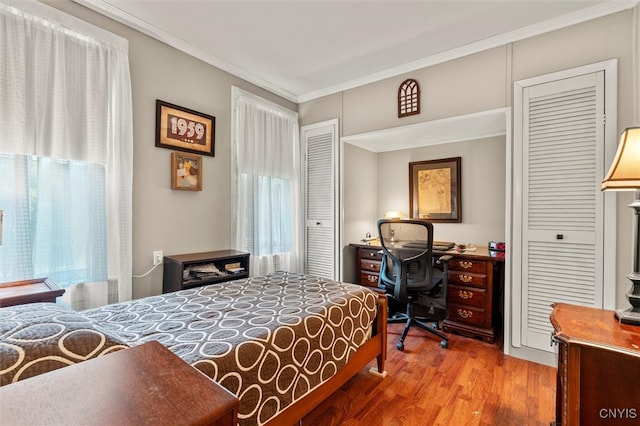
(409, 276)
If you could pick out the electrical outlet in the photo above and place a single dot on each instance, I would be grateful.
(157, 257)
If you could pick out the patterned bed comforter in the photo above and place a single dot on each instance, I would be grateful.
(269, 340)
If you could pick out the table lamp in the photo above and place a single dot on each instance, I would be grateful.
(624, 175)
(393, 214)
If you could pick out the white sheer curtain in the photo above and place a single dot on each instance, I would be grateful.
(267, 214)
(65, 122)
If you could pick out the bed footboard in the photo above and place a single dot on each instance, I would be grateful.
(374, 348)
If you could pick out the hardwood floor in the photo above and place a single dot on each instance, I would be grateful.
(471, 383)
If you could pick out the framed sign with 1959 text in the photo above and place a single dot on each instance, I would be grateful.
(183, 129)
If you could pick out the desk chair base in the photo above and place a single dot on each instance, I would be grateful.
(411, 320)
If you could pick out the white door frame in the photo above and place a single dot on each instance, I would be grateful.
(512, 301)
(425, 127)
(337, 182)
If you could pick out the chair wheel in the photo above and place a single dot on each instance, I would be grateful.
(444, 344)
(400, 346)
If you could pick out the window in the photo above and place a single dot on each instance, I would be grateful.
(66, 154)
(267, 215)
(267, 210)
(55, 216)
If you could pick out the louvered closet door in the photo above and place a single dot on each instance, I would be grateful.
(562, 247)
(322, 253)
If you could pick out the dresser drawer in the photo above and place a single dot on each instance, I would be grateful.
(370, 265)
(369, 279)
(467, 279)
(466, 265)
(466, 315)
(469, 296)
(370, 253)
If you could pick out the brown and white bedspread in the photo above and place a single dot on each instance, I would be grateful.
(269, 340)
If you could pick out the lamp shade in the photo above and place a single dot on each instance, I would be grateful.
(394, 214)
(624, 173)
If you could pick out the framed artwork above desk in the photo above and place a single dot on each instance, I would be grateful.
(435, 190)
(475, 281)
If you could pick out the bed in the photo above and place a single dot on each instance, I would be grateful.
(280, 343)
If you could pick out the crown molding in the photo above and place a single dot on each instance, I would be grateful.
(479, 46)
(146, 28)
(584, 15)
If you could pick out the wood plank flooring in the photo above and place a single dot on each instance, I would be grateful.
(471, 383)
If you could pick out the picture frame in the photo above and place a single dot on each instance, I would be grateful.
(186, 171)
(435, 191)
(184, 129)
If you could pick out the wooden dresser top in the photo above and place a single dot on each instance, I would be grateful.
(595, 327)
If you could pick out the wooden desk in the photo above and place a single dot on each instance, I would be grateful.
(29, 291)
(475, 280)
(598, 367)
(146, 384)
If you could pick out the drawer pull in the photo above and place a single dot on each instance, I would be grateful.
(372, 254)
(463, 313)
(372, 266)
(465, 278)
(465, 264)
(372, 278)
(465, 294)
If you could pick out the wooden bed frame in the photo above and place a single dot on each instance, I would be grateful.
(375, 348)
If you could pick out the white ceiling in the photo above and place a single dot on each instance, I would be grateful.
(305, 49)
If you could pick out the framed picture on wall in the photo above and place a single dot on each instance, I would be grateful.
(435, 190)
(186, 171)
(185, 130)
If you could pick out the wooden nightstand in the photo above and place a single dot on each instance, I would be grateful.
(176, 274)
(146, 384)
(29, 291)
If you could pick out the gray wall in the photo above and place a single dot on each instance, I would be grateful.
(484, 81)
(359, 201)
(376, 183)
(483, 187)
(163, 219)
(481, 82)
(180, 221)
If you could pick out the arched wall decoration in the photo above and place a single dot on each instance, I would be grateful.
(408, 98)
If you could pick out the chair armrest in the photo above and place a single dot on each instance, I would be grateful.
(444, 258)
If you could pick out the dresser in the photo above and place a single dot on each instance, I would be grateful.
(473, 294)
(474, 286)
(598, 379)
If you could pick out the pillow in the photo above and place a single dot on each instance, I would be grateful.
(41, 337)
